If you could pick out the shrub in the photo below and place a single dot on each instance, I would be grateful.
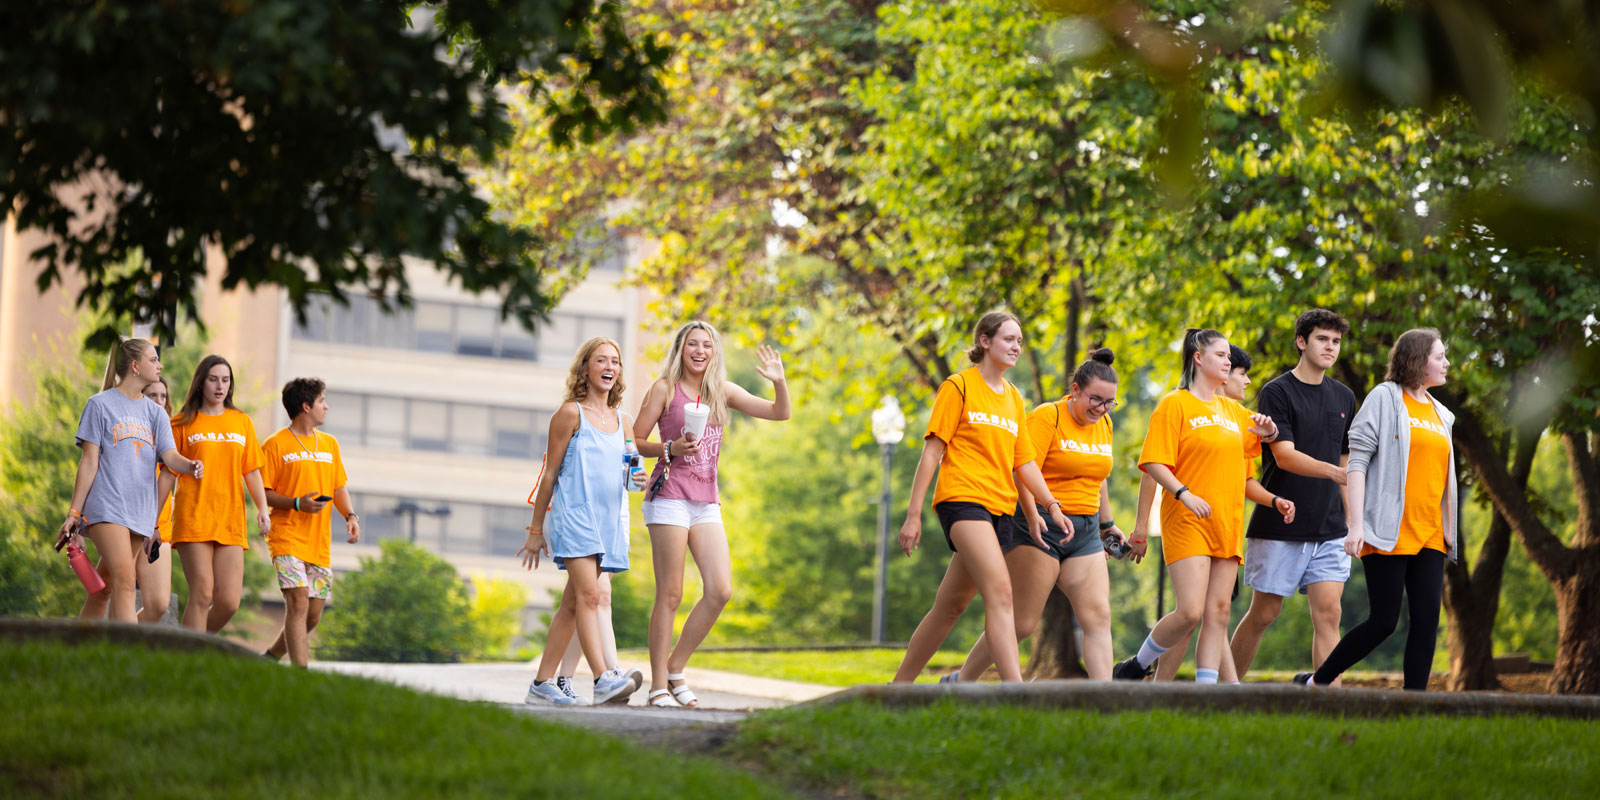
(407, 605)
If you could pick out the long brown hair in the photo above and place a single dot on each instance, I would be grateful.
(193, 399)
(988, 325)
(1408, 359)
(578, 376)
(121, 360)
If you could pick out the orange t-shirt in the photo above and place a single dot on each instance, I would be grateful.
(211, 509)
(982, 442)
(1075, 459)
(291, 467)
(1427, 472)
(1210, 448)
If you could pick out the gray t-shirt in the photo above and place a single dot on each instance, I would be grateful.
(131, 435)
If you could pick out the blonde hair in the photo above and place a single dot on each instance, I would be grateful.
(988, 326)
(168, 404)
(121, 360)
(712, 386)
(578, 376)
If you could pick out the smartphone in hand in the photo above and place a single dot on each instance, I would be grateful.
(322, 498)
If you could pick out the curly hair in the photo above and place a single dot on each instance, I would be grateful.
(578, 376)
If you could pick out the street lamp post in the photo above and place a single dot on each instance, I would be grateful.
(888, 428)
(412, 510)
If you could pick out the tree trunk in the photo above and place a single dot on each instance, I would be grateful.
(1578, 595)
(1055, 643)
(1473, 595)
(1578, 609)
(1573, 571)
(1473, 600)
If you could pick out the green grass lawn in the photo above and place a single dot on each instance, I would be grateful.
(949, 750)
(830, 667)
(104, 721)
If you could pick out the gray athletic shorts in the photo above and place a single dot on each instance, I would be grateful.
(1282, 568)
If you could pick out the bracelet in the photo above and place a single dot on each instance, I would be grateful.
(1179, 493)
(73, 512)
(666, 450)
(534, 532)
(297, 504)
(1139, 541)
(1056, 503)
(1108, 525)
(1275, 500)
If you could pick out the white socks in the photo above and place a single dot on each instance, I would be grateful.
(1149, 651)
(1205, 676)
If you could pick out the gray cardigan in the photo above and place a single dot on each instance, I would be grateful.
(1380, 445)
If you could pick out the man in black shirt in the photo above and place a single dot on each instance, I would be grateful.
(1305, 464)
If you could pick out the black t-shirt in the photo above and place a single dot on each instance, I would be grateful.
(1317, 419)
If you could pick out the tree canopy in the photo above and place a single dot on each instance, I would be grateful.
(314, 144)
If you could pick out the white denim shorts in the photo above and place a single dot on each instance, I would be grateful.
(682, 513)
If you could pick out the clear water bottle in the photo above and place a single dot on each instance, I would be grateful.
(632, 467)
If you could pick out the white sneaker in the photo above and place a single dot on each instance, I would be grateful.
(564, 683)
(546, 694)
(610, 684)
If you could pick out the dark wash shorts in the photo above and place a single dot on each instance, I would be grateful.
(951, 512)
(1086, 539)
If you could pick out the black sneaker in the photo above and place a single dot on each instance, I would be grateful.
(1302, 678)
(1129, 670)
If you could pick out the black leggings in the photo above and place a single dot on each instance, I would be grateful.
(1421, 577)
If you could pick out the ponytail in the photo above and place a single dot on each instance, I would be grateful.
(988, 326)
(1194, 340)
(121, 359)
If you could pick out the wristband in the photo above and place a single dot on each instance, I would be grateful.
(532, 531)
(1056, 503)
(1179, 493)
(1108, 525)
(297, 504)
(73, 512)
(1275, 500)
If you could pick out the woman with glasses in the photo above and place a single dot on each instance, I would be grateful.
(1072, 446)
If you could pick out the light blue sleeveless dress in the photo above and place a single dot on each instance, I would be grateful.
(586, 510)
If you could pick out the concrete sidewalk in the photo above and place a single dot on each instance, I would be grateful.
(507, 683)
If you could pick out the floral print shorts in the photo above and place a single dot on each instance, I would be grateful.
(296, 574)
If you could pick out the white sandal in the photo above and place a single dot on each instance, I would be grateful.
(661, 698)
(683, 694)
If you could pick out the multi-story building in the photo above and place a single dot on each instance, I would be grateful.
(441, 410)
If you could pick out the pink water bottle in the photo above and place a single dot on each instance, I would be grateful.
(86, 572)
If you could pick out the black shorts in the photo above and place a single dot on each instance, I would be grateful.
(951, 512)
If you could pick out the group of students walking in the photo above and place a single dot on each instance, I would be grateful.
(148, 476)
(580, 515)
(1021, 496)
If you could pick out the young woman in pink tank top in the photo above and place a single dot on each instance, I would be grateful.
(681, 506)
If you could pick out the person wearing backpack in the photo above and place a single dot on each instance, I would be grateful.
(975, 444)
(1071, 440)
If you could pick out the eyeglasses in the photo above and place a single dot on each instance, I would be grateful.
(1107, 403)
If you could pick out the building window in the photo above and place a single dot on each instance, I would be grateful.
(462, 329)
(430, 426)
(469, 528)
(386, 422)
(470, 429)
